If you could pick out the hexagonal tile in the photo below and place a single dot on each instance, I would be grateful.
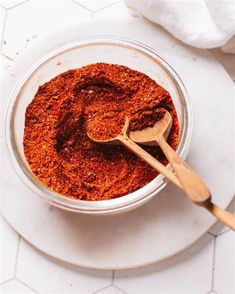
(45, 274)
(224, 273)
(94, 6)
(191, 275)
(110, 290)
(39, 19)
(9, 242)
(116, 10)
(12, 3)
(15, 286)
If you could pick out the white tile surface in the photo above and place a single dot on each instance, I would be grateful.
(110, 290)
(224, 273)
(5, 63)
(15, 286)
(2, 22)
(191, 220)
(49, 275)
(218, 229)
(8, 245)
(193, 275)
(40, 17)
(94, 6)
(11, 3)
(118, 10)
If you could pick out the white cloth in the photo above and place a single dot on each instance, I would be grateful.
(199, 23)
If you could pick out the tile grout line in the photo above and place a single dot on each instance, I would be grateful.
(113, 277)
(4, 26)
(121, 290)
(109, 5)
(18, 4)
(84, 7)
(93, 12)
(16, 257)
(6, 281)
(113, 283)
(224, 232)
(213, 265)
(101, 289)
(211, 234)
(15, 266)
(81, 5)
(112, 280)
(28, 286)
(219, 234)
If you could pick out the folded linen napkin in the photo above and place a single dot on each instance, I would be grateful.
(199, 23)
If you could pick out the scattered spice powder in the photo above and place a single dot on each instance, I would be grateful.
(94, 98)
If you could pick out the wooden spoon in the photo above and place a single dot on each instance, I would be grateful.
(190, 182)
(126, 141)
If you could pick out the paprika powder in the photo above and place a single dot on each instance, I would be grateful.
(96, 97)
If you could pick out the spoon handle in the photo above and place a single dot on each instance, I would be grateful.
(149, 159)
(193, 186)
(224, 216)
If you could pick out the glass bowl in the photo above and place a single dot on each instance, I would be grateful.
(76, 54)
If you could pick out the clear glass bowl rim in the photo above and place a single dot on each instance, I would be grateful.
(105, 206)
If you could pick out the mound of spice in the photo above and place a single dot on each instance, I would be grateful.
(95, 98)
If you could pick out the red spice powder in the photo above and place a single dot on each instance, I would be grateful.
(105, 126)
(96, 99)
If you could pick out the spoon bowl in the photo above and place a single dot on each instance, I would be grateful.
(113, 140)
(147, 136)
(124, 139)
